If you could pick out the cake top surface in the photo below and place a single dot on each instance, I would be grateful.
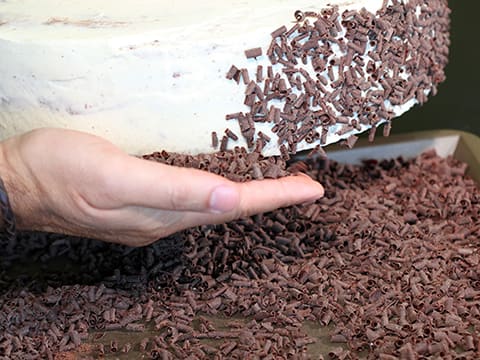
(42, 20)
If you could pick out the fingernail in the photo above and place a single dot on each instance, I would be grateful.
(317, 190)
(319, 193)
(320, 189)
(223, 199)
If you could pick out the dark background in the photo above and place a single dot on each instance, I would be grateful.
(457, 104)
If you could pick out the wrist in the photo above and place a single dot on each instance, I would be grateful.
(20, 193)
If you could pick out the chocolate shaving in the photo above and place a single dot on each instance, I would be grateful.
(232, 73)
(253, 53)
(231, 134)
(214, 140)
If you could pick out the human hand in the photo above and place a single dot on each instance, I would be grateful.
(75, 183)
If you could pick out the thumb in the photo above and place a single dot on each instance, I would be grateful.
(154, 185)
(150, 184)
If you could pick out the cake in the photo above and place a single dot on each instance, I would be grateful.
(195, 77)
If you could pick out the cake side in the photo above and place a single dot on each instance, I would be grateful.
(156, 81)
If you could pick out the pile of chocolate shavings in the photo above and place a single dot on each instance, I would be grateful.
(389, 259)
(236, 165)
(389, 60)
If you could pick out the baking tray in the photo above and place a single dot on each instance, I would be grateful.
(461, 145)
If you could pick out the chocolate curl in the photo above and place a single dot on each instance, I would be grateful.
(442, 336)
(452, 320)
(422, 348)
(407, 352)
(6, 348)
(75, 337)
(440, 348)
(253, 53)
(110, 315)
(227, 347)
(113, 346)
(338, 353)
(374, 335)
(126, 348)
(402, 314)
(143, 344)
(233, 73)
(387, 128)
(214, 140)
(326, 318)
(469, 343)
(158, 353)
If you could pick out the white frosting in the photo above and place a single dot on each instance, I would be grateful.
(147, 75)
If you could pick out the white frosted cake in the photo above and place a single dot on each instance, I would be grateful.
(151, 75)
